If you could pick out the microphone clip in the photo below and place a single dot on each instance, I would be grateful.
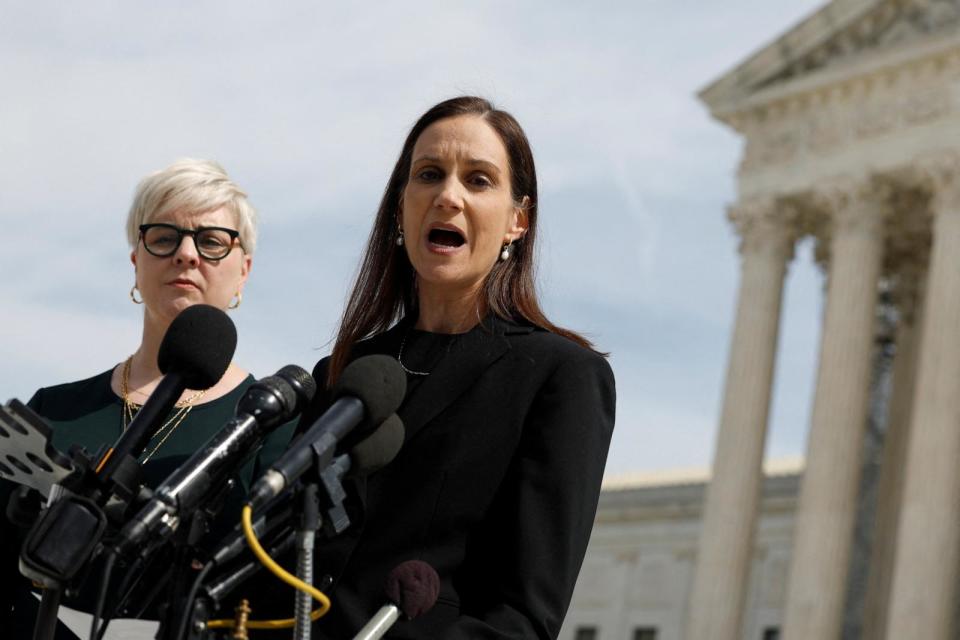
(332, 496)
(62, 540)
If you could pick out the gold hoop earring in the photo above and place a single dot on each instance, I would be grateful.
(133, 295)
(236, 304)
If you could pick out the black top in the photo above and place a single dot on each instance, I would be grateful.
(496, 485)
(89, 413)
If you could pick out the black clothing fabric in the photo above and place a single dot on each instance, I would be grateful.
(89, 413)
(496, 485)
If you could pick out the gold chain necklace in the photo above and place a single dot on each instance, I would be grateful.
(130, 408)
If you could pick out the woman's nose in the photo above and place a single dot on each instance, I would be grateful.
(187, 251)
(451, 195)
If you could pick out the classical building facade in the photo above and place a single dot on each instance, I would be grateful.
(851, 125)
(637, 575)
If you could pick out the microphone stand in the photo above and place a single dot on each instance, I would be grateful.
(46, 625)
(333, 519)
(180, 605)
(310, 521)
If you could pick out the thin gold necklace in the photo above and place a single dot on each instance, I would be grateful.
(130, 408)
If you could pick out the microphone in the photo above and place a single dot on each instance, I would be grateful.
(412, 589)
(194, 354)
(379, 448)
(370, 389)
(373, 453)
(268, 403)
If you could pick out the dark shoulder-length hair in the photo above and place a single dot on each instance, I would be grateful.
(385, 288)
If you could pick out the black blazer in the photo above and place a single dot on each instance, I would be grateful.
(496, 487)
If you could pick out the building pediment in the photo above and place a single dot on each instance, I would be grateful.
(834, 38)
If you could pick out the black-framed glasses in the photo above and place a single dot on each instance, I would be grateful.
(163, 240)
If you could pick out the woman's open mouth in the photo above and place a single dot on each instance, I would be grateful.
(445, 240)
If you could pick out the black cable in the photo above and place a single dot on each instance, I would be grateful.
(102, 596)
(191, 596)
(134, 572)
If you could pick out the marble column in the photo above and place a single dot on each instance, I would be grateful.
(908, 300)
(726, 541)
(826, 509)
(924, 590)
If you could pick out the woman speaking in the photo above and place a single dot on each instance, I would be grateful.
(508, 417)
(192, 234)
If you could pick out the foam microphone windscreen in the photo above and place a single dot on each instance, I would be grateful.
(379, 448)
(378, 381)
(413, 586)
(198, 345)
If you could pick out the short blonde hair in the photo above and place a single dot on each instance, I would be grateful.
(191, 185)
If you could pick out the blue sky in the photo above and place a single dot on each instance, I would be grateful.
(306, 105)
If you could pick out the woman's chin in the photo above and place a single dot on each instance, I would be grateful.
(170, 309)
(449, 281)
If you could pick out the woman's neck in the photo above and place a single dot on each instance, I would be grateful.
(145, 357)
(448, 313)
(138, 379)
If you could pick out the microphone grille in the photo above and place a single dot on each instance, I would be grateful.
(413, 586)
(302, 382)
(198, 345)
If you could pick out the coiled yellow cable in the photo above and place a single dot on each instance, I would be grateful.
(247, 520)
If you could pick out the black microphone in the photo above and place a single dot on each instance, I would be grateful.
(412, 589)
(370, 389)
(379, 448)
(266, 405)
(370, 455)
(194, 354)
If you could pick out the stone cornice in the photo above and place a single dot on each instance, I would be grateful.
(772, 59)
(844, 39)
(864, 107)
(885, 42)
(685, 502)
(938, 58)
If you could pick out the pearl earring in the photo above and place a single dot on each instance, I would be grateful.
(399, 237)
(505, 252)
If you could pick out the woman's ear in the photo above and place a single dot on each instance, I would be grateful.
(245, 268)
(521, 221)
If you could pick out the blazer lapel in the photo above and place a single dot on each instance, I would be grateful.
(455, 373)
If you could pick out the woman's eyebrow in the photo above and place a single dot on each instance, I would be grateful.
(469, 161)
(492, 166)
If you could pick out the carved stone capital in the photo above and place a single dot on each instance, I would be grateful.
(765, 226)
(859, 206)
(907, 284)
(940, 173)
